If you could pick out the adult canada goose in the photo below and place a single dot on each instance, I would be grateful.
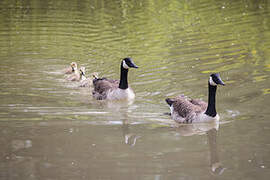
(77, 75)
(113, 89)
(185, 110)
(71, 69)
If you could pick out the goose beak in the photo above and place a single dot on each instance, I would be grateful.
(220, 82)
(135, 66)
(132, 65)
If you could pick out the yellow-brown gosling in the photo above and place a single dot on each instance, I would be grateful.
(71, 69)
(78, 75)
(88, 82)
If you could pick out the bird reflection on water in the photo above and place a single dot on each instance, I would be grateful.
(130, 138)
(211, 130)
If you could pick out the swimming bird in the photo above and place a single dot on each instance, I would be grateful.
(88, 82)
(71, 69)
(185, 110)
(114, 89)
(77, 75)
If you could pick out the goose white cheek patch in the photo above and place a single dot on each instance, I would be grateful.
(125, 65)
(212, 82)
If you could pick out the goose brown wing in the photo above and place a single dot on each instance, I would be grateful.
(102, 86)
(113, 82)
(184, 107)
(200, 103)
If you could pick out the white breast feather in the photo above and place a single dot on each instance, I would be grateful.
(202, 117)
(119, 94)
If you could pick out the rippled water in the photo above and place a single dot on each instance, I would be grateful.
(52, 129)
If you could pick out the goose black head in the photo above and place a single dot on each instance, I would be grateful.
(128, 63)
(215, 80)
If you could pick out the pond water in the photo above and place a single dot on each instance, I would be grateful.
(52, 129)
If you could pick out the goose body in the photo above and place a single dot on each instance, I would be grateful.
(71, 69)
(114, 89)
(109, 89)
(185, 110)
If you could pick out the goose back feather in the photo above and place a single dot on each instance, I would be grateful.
(184, 110)
(102, 86)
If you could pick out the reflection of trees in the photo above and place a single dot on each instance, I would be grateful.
(169, 31)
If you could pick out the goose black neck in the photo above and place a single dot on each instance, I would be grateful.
(211, 108)
(123, 78)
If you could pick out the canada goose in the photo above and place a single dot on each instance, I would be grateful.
(113, 89)
(184, 110)
(88, 82)
(77, 75)
(71, 69)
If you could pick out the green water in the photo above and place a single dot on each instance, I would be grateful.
(52, 129)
